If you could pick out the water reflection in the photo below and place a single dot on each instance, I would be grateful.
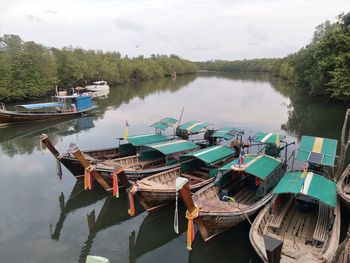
(252, 102)
(25, 139)
(78, 198)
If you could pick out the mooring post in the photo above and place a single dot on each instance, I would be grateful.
(344, 144)
(273, 249)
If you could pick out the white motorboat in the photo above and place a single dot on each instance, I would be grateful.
(98, 86)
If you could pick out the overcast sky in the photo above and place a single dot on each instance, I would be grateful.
(192, 29)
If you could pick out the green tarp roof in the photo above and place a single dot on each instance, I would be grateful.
(139, 140)
(258, 165)
(164, 123)
(266, 137)
(227, 133)
(313, 185)
(193, 126)
(173, 146)
(317, 150)
(212, 154)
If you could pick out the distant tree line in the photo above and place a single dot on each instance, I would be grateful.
(30, 70)
(320, 68)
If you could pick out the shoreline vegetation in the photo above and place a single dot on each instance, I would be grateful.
(321, 68)
(29, 70)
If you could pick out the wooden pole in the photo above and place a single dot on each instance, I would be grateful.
(273, 249)
(344, 144)
(45, 139)
(188, 201)
(129, 187)
(80, 157)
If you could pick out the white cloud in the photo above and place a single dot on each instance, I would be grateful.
(194, 29)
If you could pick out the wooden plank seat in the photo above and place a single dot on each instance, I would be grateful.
(277, 218)
(244, 195)
(321, 229)
(191, 177)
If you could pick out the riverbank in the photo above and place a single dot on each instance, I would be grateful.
(30, 70)
(320, 69)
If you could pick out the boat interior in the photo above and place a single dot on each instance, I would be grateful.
(238, 194)
(131, 163)
(302, 222)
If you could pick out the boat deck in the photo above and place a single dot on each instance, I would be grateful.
(210, 202)
(298, 231)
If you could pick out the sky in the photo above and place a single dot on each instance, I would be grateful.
(198, 30)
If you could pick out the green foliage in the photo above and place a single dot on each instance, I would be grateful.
(29, 70)
(320, 68)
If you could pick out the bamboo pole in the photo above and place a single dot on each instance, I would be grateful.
(344, 145)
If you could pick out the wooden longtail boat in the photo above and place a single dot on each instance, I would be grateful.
(342, 255)
(153, 158)
(305, 215)
(48, 111)
(123, 150)
(239, 191)
(199, 167)
(162, 156)
(242, 187)
(343, 187)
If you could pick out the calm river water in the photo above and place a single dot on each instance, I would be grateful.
(44, 219)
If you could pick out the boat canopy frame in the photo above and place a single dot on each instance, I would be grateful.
(309, 184)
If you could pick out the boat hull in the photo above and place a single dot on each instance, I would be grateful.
(215, 223)
(256, 239)
(345, 198)
(162, 194)
(77, 170)
(9, 117)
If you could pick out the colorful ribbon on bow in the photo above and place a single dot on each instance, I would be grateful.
(190, 226)
(88, 177)
(115, 181)
(131, 207)
(58, 169)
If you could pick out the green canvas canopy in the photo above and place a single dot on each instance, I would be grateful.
(164, 123)
(317, 150)
(265, 137)
(258, 165)
(193, 126)
(313, 184)
(227, 133)
(173, 146)
(212, 154)
(139, 140)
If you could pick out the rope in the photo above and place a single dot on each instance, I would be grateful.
(233, 201)
(190, 227)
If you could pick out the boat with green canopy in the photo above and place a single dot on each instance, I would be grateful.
(239, 191)
(304, 213)
(152, 158)
(193, 128)
(130, 148)
(304, 216)
(242, 186)
(199, 167)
